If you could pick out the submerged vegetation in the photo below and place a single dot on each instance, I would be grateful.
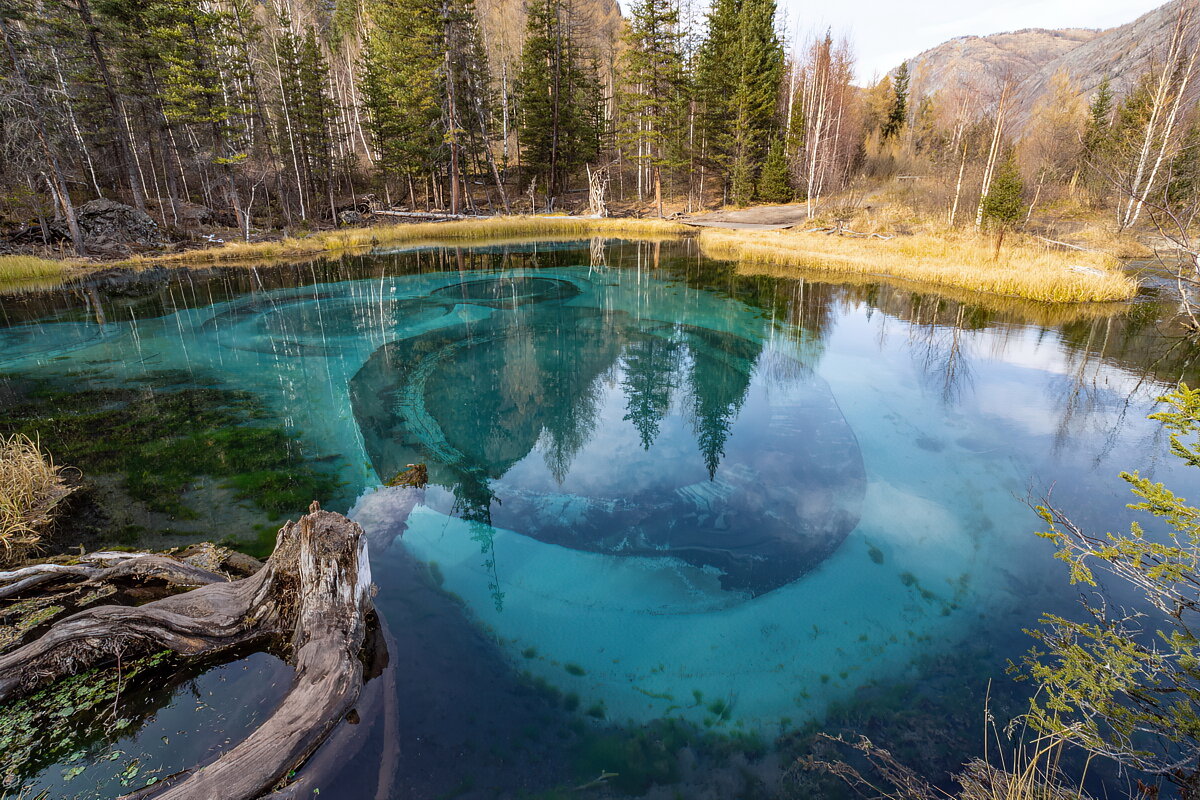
(954, 260)
(162, 441)
(34, 733)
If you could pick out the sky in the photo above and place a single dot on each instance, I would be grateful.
(886, 32)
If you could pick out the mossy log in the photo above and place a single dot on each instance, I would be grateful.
(313, 595)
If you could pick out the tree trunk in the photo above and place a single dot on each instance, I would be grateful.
(313, 594)
(120, 124)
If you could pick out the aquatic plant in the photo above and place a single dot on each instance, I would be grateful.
(574, 669)
(31, 485)
(34, 731)
(1032, 771)
(162, 442)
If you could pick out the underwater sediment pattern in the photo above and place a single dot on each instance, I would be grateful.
(652, 499)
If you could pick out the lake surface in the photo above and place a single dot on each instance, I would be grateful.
(679, 519)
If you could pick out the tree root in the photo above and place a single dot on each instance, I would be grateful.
(313, 594)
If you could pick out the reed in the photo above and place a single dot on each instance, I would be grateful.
(1024, 268)
(30, 486)
(452, 231)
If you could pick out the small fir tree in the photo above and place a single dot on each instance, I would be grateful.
(1004, 206)
(774, 185)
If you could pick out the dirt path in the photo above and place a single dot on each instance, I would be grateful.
(762, 218)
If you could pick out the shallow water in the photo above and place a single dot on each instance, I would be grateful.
(658, 491)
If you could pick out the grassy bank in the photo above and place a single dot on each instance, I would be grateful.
(955, 260)
(15, 269)
(470, 230)
(863, 286)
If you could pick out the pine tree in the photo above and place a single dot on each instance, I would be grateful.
(755, 95)
(559, 98)
(897, 115)
(653, 92)
(739, 68)
(774, 184)
(400, 86)
(1004, 205)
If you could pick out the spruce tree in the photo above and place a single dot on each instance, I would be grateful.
(756, 93)
(1183, 186)
(898, 110)
(559, 98)
(400, 86)
(1099, 117)
(774, 184)
(1004, 206)
(738, 72)
(653, 91)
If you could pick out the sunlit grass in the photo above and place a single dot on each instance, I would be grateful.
(1048, 315)
(19, 268)
(456, 230)
(1024, 268)
(30, 486)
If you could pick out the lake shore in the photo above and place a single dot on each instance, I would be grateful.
(1025, 268)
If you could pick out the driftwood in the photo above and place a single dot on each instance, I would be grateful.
(313, 595)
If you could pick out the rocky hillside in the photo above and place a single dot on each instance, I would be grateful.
(1123, 53)
(975, 63)
(1031, 58)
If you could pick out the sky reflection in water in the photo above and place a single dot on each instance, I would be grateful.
(664, 490)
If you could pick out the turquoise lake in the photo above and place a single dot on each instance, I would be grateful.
(678, 519)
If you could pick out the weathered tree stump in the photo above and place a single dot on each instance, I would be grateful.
(313, 595)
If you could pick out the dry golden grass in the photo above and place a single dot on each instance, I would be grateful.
(955, 260)
(428, 232)
(1047, 315)
(20, 268)
(30, 487)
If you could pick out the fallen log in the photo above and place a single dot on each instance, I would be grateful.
(313, 595)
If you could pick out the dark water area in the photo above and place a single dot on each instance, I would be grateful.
(680, 519)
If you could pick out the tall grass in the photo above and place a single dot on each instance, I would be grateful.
(951, 259)
(1047, 315)
(19, 268)
(30, 486)
(452, 231)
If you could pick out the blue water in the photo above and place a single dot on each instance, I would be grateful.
(659, 491)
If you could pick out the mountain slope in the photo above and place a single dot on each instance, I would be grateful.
(1031, 58)
(1123, 53)
(975, 63)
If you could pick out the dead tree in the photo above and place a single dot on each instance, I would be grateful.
(312, 595)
